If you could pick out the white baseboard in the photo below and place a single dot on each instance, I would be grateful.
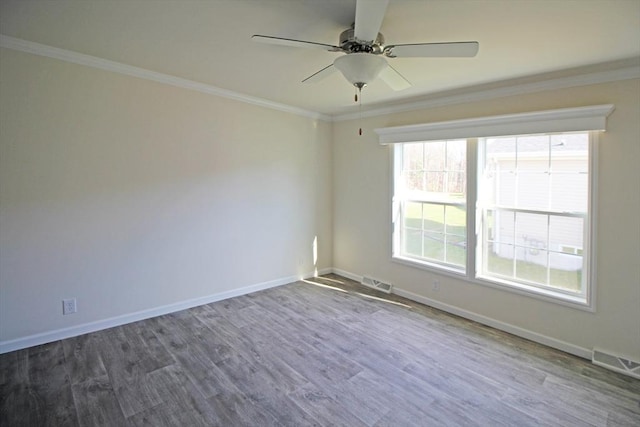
(50, 336)
(506, 327)
(322, 272)
(347, 274)
(73, 331)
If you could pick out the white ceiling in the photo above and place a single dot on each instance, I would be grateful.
(210, 41)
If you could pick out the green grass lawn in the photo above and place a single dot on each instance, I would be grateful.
(565, 279)
(444, 237)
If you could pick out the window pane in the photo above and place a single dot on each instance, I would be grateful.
(413, 157)
(435, 232)
(457, 155)
(531, 233)
(414, 180)
(435, 182)
(544, 173)
(569, 172)
(567, 147)
(533, 189)
(456, 235)
(569, 192)
(412, 244)
(412, 229)
(413, 215)
(501, 151)
(566, 271)
(502, 228)
(434, 153)
(456, 220)
(531, 265)
(433, 217)
(501, 249)
(505, 190)
(500, 259)
(457, 185)
(566, 234)
(434, 246)
(434, 223)
(566, 246)
(531, 147)
(456, 250)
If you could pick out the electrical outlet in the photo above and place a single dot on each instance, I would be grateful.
(69, 306)
(436, 286)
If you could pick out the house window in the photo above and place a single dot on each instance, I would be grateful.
(500, 208)
(432, 188)
(533, 206)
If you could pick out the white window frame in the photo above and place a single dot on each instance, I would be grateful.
(398, 237)
(591, 119)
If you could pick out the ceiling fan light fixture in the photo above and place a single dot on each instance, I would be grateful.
(360, 68)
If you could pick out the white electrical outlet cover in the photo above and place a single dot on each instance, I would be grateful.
(69, 306)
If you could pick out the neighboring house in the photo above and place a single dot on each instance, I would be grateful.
(521, 174)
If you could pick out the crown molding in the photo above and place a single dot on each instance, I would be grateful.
(120, 68)
(618, 70)
(624, 70)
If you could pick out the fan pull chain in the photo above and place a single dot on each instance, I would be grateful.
(359, 98)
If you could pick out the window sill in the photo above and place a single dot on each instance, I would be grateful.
(573, 301)
(429, 266)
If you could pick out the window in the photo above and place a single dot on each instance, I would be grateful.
(497, 207)
(432, 188)
(533, 198)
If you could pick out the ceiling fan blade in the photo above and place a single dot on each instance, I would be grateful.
(369, 16)
(294, 43)
(320, 75)
(433, 50)
(393, 78)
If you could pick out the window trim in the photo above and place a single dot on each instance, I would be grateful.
(579, 119)
(589, 119)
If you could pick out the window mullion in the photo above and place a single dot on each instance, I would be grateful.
(445, 236)
(472, 173)
(549, 206)
(513, 243)
(548, 250)
(422, 231)
(550, 180)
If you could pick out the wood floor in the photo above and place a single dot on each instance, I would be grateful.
(321, 352)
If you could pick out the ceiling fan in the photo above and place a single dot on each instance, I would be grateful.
(365, 50)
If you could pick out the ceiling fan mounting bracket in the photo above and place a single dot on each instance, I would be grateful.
(350, 44)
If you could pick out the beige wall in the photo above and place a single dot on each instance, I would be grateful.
(131, 195)
(362, 236)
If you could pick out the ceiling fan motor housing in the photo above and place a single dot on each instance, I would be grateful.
(349, 43)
